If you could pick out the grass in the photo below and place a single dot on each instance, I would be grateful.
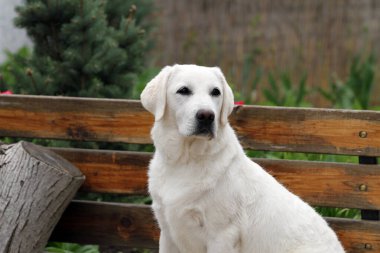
(339, 212)
(59, 247)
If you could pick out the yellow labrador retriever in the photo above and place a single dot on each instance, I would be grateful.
(208, 196)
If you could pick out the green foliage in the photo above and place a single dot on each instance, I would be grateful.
(143, 78)
(302, 156)
(340, 95)
(114, 198)
(339, 212)
(117, 9)
(285, 92)
(13, 64)
(57, 247)
(81, 48)
(355, 91)
(251, 76)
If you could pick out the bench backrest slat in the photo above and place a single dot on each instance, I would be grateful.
(82, 119)
(131, 225)
(319, 183)
(259, 128)
(308, 130)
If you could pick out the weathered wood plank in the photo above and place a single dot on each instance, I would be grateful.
(83, 119)
(318, 183)
(134, 225)
(260, 128)
(357, 236)
(110, 171)
(107, 224)
(329, 184)
(308, 130)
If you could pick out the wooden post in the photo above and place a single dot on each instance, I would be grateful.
(36, 185)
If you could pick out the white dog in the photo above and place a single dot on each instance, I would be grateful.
(208, 196)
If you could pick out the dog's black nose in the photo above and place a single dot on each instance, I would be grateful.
(205, 116)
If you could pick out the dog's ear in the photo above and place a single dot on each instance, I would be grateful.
(153, 97)
(228, 98)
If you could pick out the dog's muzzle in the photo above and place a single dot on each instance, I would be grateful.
(205, 123)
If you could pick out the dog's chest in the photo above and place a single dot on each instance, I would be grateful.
(190, 206)
(193, 224)
(182, 183)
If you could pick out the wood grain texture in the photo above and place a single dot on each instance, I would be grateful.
(308, 130)
(259, 128)
(110, 171)
(134, 225)
(357, 236)
(36, 185)
(107, 224)
(83, 119)
(329, 184)
(318, 183)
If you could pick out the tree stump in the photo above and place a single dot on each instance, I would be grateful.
(36, 185)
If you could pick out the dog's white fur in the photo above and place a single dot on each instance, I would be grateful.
(207, 195)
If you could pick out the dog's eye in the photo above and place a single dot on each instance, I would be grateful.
(215, 92)
(184, 91)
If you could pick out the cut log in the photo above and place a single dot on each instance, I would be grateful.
(36, 185)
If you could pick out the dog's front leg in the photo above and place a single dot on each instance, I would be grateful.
(222, 247)
(166, 244)
(226, 241)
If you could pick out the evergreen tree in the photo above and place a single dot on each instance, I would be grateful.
(91, 48)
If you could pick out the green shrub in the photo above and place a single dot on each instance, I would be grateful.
(284, 92)
(81, 48)
(58, 247)
(355, 92)
(339, 212)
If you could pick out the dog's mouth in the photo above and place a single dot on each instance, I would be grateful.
(205, 131)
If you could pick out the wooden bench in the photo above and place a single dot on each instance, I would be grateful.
(322, 131)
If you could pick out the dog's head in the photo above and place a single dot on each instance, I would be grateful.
(197, 99)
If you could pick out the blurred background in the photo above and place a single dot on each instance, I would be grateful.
(250, 40)
(278, 52)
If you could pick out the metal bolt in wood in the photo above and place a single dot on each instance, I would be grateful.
(363, 187)
(363, 134)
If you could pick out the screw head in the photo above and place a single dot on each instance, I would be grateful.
(363, 187)
(367, 246)
(363, 134)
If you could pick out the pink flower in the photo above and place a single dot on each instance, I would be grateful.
(239, 102)
(7, 92)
